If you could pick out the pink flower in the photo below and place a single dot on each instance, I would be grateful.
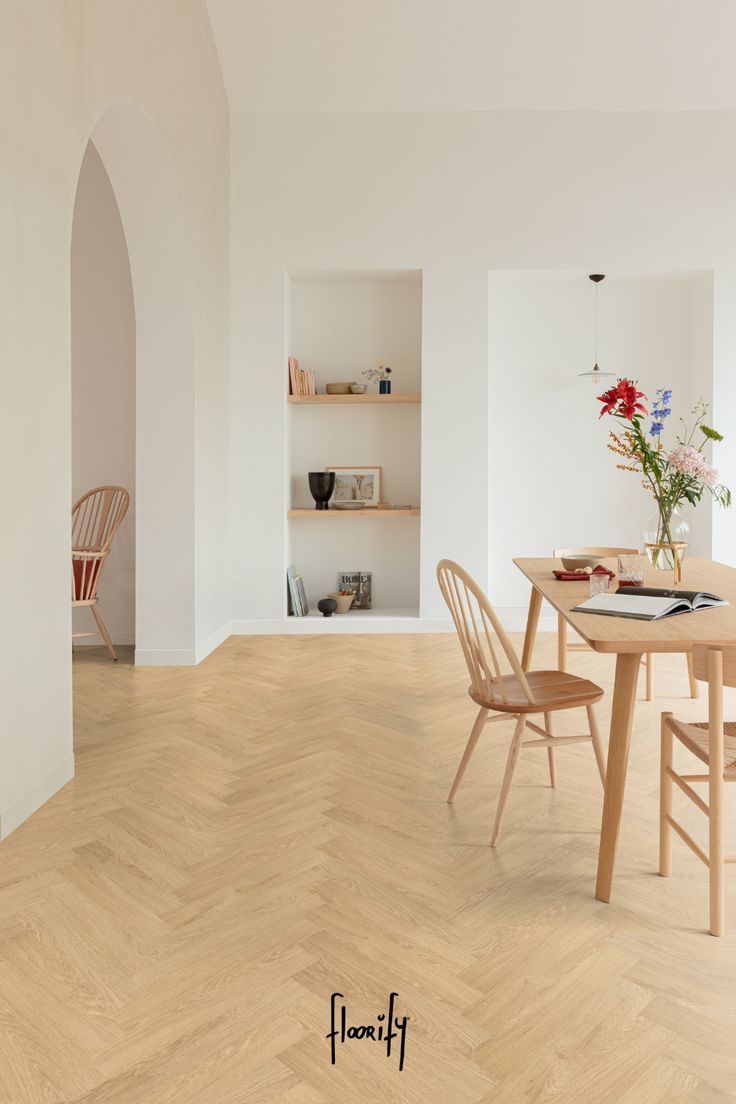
(688, 461)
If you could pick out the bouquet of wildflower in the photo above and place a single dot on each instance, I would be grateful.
(382, 372)
(680, 474)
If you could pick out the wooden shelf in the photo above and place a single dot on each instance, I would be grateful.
(339, 400)
(372, 512)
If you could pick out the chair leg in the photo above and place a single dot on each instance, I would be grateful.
(550, 751)
(508, 775)
(595, 736)
(475, 732)
(103, 632)
(561, 643)
(665, 798)
(649, 672)
(694, 689)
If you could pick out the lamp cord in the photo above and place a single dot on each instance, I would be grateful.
(596, 324)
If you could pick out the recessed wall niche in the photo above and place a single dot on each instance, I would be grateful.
(339, 324)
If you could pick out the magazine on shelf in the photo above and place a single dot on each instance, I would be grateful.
(362, 583)
(650, 603)
(302, 596)
(293, 592)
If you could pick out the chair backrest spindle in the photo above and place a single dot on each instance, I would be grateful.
(97, 516)
(477, 625)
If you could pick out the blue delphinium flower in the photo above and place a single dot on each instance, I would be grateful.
(660, 410)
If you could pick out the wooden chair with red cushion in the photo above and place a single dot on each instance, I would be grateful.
(96, 518)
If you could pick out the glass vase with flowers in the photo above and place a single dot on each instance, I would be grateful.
(673, 476)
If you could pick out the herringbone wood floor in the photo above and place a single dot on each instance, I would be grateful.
(243, 838)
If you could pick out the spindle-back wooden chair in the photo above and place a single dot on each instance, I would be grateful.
(563, 647)
(713, 742)
(517, 695)
(96, 518)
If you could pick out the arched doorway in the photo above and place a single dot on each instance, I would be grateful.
(103, 386)
(144, 185)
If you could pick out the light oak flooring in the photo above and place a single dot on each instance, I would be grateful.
(243, 838)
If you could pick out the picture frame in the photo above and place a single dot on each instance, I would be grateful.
(357, 484)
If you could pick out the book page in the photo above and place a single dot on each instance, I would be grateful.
(635, 605)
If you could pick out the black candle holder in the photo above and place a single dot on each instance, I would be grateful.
(321, 484)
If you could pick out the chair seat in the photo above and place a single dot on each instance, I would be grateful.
(551, 690)
(695, 738)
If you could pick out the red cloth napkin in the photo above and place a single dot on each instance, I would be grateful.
(568, 576)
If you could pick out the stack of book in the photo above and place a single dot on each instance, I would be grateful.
(301, 380)
(297, 596)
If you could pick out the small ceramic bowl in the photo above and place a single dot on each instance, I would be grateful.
(358, 388)
(338, 388)
(344, 601)
(579, 563)
(349, 504)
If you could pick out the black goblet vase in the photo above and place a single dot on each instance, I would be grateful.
(321, 484)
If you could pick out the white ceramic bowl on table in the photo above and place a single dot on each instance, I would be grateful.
(579, 563)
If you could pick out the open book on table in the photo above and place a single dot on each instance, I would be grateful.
(649, 603)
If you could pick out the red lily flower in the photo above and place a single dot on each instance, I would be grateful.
(622, 400)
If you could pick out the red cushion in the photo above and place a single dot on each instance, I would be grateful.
(86, 573)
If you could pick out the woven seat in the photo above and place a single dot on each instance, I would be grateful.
(695, 738)
(713, 742)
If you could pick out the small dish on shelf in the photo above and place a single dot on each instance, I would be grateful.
(358, 388)
(338, 388)
(348, 504)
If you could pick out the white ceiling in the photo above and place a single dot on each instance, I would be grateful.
(477, 55)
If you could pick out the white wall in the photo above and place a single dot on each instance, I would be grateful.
(457, 196)
(552, 478)
(62, 67)
(103, 383)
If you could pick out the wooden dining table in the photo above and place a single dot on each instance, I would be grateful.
(629, 639)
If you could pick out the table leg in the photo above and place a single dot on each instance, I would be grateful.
(532, 620)
(622, 713)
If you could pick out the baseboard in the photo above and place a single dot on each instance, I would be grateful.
(125, 636)
(336, 625)
(184, 657)
(513, 619)
(27, 805)
(165, 657)
(213, 641)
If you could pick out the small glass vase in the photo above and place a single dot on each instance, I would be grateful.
(665, 541)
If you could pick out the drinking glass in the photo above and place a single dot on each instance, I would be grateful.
(631, 570)
(599, 581)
